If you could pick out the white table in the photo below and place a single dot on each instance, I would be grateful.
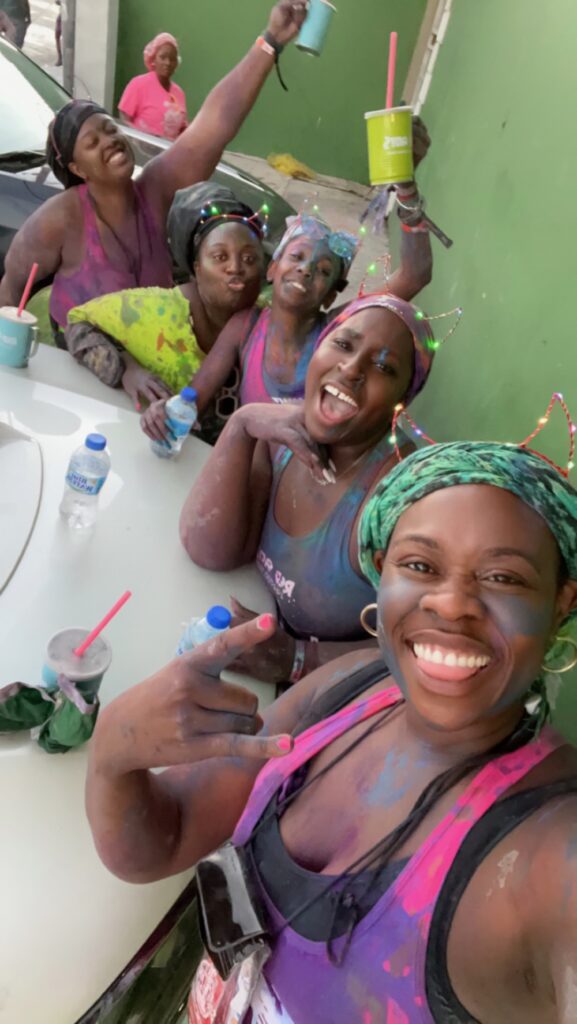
(57, 367)
(68, 927)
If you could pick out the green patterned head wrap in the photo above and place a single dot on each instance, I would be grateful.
(527, 475)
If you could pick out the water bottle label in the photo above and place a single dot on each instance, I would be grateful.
(84, 484)
(178, 427)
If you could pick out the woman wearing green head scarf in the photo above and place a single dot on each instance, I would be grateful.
(413, 833)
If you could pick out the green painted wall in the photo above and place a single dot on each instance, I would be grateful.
(500, 180)
(321, 119)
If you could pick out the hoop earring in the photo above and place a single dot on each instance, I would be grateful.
(564, 668)
(364, 624)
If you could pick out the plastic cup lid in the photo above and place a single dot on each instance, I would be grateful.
(96, 442)
(218, 617)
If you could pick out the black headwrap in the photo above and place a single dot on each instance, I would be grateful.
(62, 136)
(196, 211)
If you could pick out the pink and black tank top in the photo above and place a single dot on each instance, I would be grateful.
(396, 960)
(257, 384)
(99, 275)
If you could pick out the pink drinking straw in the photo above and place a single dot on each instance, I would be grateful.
(102, 625)
(28, 288)
(391, 70)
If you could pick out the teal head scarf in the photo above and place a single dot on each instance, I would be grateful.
(522, 472)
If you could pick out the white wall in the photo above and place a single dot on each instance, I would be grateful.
(95, 50)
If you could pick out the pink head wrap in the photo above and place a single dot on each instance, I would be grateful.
(152, 48)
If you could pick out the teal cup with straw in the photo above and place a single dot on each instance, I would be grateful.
(313, 34)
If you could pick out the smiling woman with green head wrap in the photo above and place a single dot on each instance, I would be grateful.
(418, 836)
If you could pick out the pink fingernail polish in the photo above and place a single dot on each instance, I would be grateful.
(284, 744)
(265, 621)
(138, 407)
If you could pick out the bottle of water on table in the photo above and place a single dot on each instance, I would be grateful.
(198, 631)
(86, 475)
(180, 414)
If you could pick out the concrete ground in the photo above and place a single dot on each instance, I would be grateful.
(39, 43)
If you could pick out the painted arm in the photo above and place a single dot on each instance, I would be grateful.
(39, 240)
(416, 267)
(146, 825)
(196, 152)
(221, 360)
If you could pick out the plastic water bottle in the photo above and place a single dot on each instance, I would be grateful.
(216, 620)
(180, 417)
(86, 475)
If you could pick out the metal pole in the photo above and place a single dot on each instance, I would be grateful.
(68, 37)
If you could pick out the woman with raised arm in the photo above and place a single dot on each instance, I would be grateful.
(107, 232)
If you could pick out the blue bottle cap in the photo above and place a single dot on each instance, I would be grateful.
(188, 394)
(218, 617)
(96, 442)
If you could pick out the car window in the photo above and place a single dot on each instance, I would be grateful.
(29, 98)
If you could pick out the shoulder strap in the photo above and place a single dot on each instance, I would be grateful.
(495, 825)
(341, 694)
(252, 318)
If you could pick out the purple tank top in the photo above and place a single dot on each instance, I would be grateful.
(257, 385)
(383, 975)
(317, 590)
(98, 275)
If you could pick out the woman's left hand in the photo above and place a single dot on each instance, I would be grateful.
(272, 660)
(286, 19)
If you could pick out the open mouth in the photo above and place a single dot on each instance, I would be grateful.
(297, 287)
(117, 156)
(336, 405)
(447, 669)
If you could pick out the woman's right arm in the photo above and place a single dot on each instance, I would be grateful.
(148, 825)
(40, 240)
(222, 518)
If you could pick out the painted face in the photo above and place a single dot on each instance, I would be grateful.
(358, 374)
(305, 275)
(166, 62)
(102, 152)
(468, 602)
(229, 267)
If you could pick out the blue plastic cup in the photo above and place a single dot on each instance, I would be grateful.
(313, 34)
(18, 337)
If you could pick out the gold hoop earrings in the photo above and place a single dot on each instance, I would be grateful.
(564, 668)
(369, 629)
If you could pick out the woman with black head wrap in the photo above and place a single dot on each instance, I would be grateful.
(106, 232)
(151, 341)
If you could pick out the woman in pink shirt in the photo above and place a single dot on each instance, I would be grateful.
(152, 102)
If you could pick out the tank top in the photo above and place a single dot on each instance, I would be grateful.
(98, 274)
(317, 591)
(386, 961)
(257, 385)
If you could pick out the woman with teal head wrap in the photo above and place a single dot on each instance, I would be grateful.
(419, 837)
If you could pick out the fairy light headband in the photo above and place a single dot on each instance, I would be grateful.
(211, 215)
(556, 399)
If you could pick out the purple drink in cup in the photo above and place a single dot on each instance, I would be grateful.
(87, 671)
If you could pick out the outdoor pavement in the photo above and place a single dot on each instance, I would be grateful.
(39, 43)
(341, 203)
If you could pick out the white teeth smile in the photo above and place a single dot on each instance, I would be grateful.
(299, 287)
(332, 390)
(441, 656)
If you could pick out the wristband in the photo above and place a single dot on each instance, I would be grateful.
(269, 45)
(421, 228)
(297, 671)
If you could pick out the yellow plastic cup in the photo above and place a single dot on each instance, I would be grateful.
(390, 142)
